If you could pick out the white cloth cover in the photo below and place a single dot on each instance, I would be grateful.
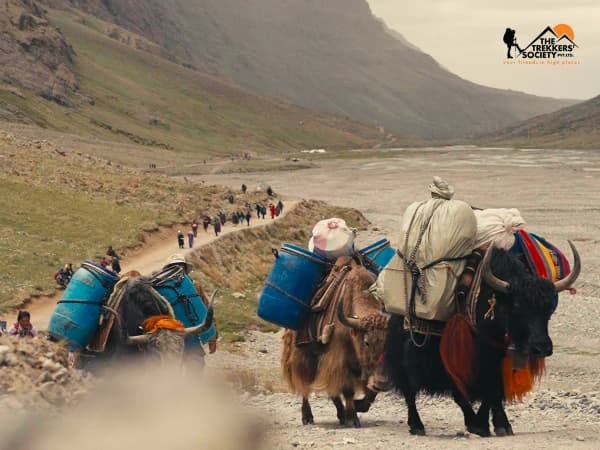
(498, 226)
(450, 233)
(332, 238)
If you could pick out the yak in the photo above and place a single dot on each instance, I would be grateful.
(139, 303)
(516, 322)
(342, 366)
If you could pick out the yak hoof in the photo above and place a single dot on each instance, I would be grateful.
(483, 432)
(308, 421)
(504, 431)
(356, 422)
(417, 431)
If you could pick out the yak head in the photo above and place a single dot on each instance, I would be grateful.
(161, 336)
(524, 302)
(362, 313)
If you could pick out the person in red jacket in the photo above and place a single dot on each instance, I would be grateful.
(272, 210)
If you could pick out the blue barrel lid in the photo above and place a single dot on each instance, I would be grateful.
(375, 245)
(300, 251)
(94, 267)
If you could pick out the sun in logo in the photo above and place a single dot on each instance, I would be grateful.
(562, 29)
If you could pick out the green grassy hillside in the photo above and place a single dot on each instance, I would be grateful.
(127, 95)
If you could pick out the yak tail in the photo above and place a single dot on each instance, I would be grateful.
(517, 383)
(457, 349)
(297, 366)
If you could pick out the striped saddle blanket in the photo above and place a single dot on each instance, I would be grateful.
(540, 256)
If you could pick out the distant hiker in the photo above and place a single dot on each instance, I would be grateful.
(69, 270)
(195, 228)
(105, 263)
(180, 239)
(270, 191)
(248, 216)
(222, 217)
(510, 41)
(205, 223)
(258, 208)
(272, 210)
(241, 217)
(263, 211)
(23, 327)
(110, 252)
(234, 218)
(191, 238)
(217, 225)
(244, 188)
(115, 264)
(279, 207)
(230, 198)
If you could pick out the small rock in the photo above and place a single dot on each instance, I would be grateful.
(263, 350)
(580, 438)
(349, 441)
(239, 295)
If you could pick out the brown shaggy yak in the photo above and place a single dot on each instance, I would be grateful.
(351, 355)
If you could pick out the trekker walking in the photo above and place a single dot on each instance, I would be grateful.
(222, 217)
(180, 239)
(272, 210)
(263, 211)
(195, 228)
(244, 188)
(217, 225)
(116, 264)
(191, 238)
(279, 207)
(258, 208)
(248, 216)
(205, 223)
(270, 191)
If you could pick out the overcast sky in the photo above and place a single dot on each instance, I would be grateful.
(465, 36)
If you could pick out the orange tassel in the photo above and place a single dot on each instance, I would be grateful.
(154, 323)
(517, 383)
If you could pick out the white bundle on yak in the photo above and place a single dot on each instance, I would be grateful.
(436, 236)
(332, 238)
(498, 226)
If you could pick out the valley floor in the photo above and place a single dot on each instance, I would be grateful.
(557, 194)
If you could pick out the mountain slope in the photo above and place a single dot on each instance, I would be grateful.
(577, 126)
(127, 95)
(332, 56)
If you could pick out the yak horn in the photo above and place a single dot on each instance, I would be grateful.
(138, 340)
(495, 283)
(350, 322)
(206, 323)
(568, 281)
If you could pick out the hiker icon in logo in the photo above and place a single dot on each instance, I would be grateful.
(511, 41)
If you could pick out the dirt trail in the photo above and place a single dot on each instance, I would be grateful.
(146, 259)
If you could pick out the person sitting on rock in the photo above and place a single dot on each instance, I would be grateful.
(23, 327)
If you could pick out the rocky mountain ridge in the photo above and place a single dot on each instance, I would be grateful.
(332, 56)
(34, 54)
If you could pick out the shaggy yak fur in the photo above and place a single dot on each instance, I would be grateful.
(343, 366)
(521, 313)
(137, 307)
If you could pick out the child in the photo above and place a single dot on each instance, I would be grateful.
(23, 326)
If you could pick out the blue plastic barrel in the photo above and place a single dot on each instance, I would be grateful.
(178, 288)
(75, 318)
(380, 253)
(291, 285)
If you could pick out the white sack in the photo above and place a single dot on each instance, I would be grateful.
(450, 233)
(498, 226)
(332, 238)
